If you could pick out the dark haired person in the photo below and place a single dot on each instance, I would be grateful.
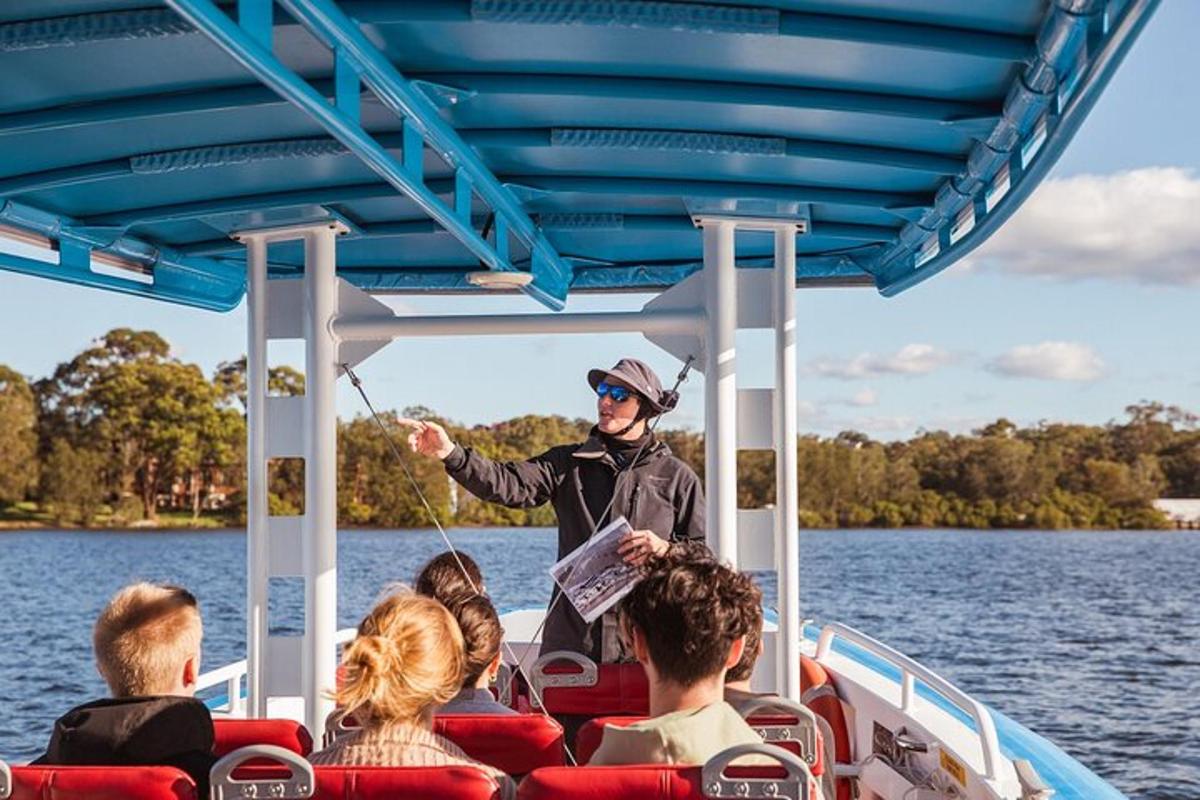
(482, 634)
(660, 495)
(443, 577)
(684, 622)
(737, 680)
(147, 645)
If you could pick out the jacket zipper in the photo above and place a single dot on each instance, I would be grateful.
(633, 504)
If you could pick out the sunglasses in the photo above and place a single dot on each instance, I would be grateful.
(619, 394)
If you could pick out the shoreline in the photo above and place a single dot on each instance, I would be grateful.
(13, 526)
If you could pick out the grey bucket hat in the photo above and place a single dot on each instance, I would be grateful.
(637, 376)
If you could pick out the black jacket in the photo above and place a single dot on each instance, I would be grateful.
(659, 493)
(136, 731)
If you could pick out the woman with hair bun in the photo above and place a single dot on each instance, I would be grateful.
(406, 661)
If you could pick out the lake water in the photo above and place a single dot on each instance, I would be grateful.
(1091, 639)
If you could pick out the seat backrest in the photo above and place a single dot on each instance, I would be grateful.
(293, 778)
(612, 783)
(515, 744)
(234, 734)
(101, 783)
(403, 783)
(716, 779)
(568, 683)
(591, 732)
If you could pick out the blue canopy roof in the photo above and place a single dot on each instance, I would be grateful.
(574, 139)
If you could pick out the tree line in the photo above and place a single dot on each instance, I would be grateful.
(126, 431)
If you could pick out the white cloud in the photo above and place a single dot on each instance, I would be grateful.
(1140, 225)
(867, 397)
(912, 359)
(1054, 361)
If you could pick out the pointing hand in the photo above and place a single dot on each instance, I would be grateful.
(428, 438)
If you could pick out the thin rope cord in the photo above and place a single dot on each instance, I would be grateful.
(387, 435)
(624, 472)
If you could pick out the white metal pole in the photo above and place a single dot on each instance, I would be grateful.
(787, 542)
(720, 390)
(320, 476)
(257, 545)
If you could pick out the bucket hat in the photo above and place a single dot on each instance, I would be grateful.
(637, 376)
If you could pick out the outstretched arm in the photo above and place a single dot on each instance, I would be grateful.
(517, 484)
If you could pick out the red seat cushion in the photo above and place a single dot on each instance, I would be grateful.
(612, 783)
(230, 734)
(592, 731)
(404, 783)
(515, 744)
(619, 689)
(101, 783)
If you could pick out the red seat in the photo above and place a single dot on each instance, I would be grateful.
(292, 776)
(404, 783)
(612, 783)
(515, 744)
(716, 779)
(589, 736)
(569, 683)
(101, 783)
(233, 734)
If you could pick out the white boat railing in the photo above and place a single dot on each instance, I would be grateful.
(910, 672)
(232, 676)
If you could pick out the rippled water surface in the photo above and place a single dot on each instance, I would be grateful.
(1090, 639)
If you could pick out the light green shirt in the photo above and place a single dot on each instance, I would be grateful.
(682, 737)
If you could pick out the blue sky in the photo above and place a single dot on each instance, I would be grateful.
(1032, 327)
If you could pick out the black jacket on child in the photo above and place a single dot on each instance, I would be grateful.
(136, 731)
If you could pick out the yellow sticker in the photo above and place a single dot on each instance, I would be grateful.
(956, 769)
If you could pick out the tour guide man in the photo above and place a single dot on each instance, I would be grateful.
(660, 495)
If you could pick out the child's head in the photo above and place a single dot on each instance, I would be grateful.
(442, 578)
(685, 620)
(406, 661)
(147, 641)
(482, 635)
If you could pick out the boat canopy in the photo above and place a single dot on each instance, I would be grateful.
(578, 141)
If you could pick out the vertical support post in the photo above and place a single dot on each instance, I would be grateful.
(787, 541)
(257, 545)
(720, 389)
(320, 475)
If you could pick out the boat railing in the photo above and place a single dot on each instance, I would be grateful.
(233, 675)
(910, 673)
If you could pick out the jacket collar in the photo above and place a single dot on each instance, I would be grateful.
(595, 450)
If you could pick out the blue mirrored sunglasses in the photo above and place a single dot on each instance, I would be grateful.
(619, 394)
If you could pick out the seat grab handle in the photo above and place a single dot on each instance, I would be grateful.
(301, 784)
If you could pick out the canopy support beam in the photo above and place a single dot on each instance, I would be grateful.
(317, 564)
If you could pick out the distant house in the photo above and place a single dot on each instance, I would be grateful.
(1183, 512)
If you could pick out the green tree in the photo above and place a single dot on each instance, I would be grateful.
(156, 417)
(18, 437)
(70, 483)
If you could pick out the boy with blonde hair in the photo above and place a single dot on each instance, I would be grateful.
(147, 646)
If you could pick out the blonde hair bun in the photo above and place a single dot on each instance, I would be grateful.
(407, 659)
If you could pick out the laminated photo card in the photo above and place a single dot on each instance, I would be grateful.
(594, 576)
